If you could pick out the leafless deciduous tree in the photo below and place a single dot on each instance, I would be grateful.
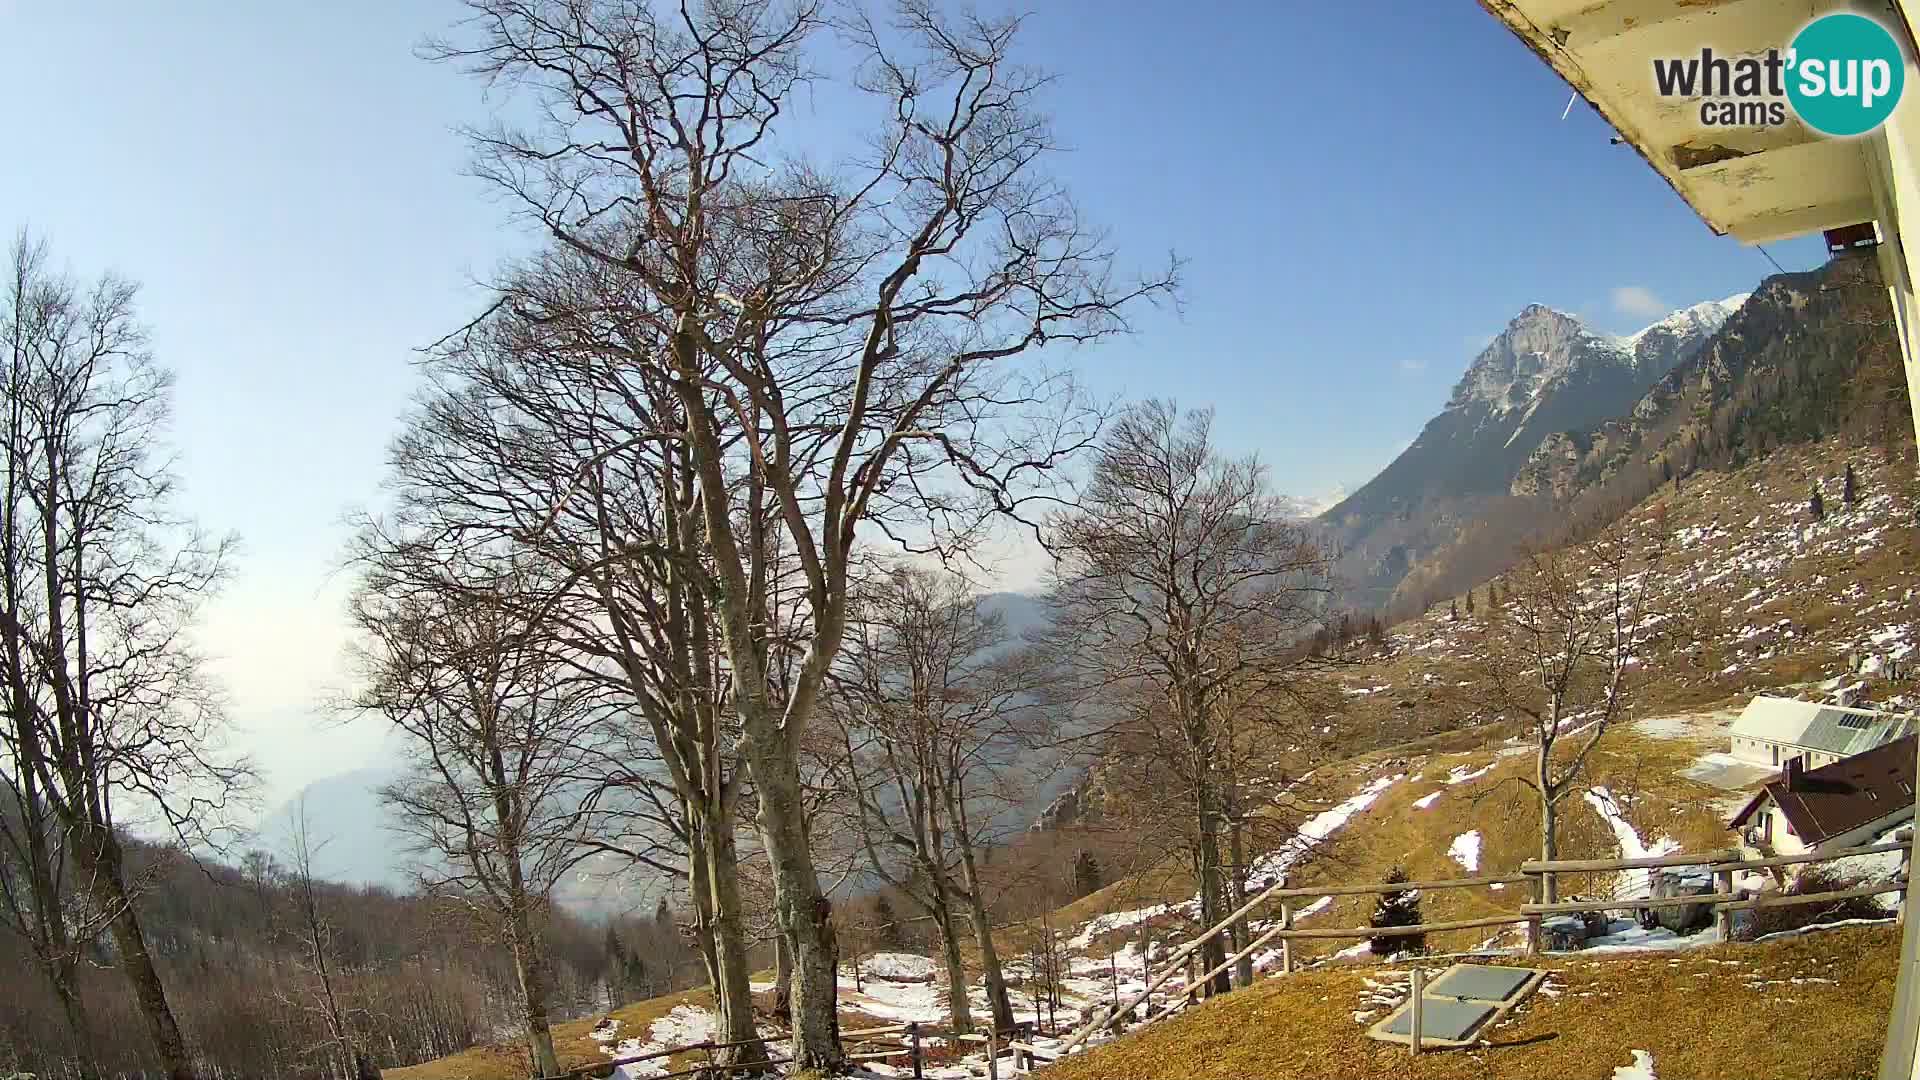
(1558, 658)
(108, 713)
(1186, 599)
(502, 744)
(942, 734)
(551, 394)
(838, 339)
(312, 928)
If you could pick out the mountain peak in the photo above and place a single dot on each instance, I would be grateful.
(1658, 348)
(1538, 348)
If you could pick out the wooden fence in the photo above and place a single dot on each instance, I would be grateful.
(1722, 864)
(907, 1047)
(908, 1040)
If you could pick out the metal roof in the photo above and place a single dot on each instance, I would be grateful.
(1756, 183)
(1811, 725)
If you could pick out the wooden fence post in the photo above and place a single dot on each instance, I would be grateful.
(1286, 944)
(913, 1034)
(1538, 890)
(993, 1051)
(1413, 1011)
(1725, 914)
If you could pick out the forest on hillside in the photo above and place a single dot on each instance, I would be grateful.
(250, 954)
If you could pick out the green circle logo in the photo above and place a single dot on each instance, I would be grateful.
(1846, 74)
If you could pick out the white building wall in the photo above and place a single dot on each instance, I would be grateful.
(1893, 158)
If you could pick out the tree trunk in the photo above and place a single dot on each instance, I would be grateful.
(733, 991)
(700, 891)
(800, 908)
(530, 963)
(782, 979)
(1207, 858)
(1236, 899)
(99, 855)
(66, 987)
(959, 1009)
(990, 972)
(1549, 848)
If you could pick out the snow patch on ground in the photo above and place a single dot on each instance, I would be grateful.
(1322, 825)
(1465, 850)
(684, 1026)
(1632, 883)
(1628, 936)
(900, 967)
(1425, 801)
(1641, 1069)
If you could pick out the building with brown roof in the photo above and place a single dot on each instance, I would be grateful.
(1834, 806)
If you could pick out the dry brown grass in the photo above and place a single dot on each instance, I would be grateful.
(509, 1060)
(1723, 1011)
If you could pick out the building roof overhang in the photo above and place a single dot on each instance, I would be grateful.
(1757, 183)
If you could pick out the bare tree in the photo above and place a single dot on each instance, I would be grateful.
(99, 583)
(41, 904)
(838, 338)
(1558, 658)
(312, 928)
(502, 746)
(1182, 595)
(544, 396)
(941, 734)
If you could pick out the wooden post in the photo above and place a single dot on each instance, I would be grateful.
(1191, 971)
(1286, 944)
(1413, 1010)
(1533, 921)
(913, 1035)
(1725, 879)
(993, 1051)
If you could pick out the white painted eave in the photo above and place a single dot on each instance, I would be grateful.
(1757, 184)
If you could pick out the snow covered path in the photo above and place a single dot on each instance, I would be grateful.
(1632, 883)
(1322, 825)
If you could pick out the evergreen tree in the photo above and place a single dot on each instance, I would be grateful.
(892, 934)
(1453, 611)
(1400, 908)
(1086, 873)
(635, 976)
(1814, 506)
(616, 965)
(1848, 490)
(1469, 603)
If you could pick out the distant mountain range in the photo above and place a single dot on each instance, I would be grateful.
(1547, 373)
(361, 845)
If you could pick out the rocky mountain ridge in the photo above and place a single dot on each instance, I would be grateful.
(1546, 373)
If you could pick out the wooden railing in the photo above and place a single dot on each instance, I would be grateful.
(866, 1044)
(1722, 864)
(869, 1044)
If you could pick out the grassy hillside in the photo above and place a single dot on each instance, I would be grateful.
(1771, 600)
(1812, 1007)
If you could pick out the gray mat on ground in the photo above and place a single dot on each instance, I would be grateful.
(1442, 1018)
(1479, 982)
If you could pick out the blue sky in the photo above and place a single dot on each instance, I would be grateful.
(1364, 195)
